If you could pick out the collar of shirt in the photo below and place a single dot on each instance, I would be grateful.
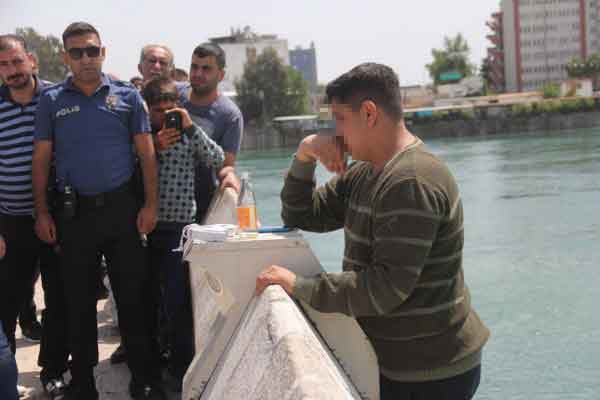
(104, 82)
(39, 86)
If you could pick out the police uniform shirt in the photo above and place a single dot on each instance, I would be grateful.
(92, 135)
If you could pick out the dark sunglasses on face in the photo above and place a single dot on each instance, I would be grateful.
(77, 52)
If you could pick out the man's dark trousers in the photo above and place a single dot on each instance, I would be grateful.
(107, 224)
(460, 387)
(23, 252)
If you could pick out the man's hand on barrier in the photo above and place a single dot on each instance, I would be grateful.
(276, 275)
(146, 220)
(45, 228)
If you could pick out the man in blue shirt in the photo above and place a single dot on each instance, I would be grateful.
(91, 123)
(19, 96)
(217, 115)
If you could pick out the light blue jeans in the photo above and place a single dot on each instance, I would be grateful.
(8, 370)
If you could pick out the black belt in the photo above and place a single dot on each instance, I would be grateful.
(101, 199)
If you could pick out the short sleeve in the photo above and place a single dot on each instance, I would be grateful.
(139, 121)
(44, 129)
(232, 136)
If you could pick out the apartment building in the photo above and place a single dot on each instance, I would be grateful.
(541, 36)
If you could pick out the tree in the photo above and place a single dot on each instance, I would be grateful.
(454, 57)
(47, 49)
(270, 89)
(590, 68)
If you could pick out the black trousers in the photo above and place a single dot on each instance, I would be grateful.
(108, 227)
(460, 387)
(23, 253)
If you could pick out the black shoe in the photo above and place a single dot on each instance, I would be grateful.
(119, 355)
(146, 392)
(32, 332)
(74, 392)
(54, 388)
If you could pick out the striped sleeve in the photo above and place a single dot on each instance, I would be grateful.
(309, 208)
(405, 224)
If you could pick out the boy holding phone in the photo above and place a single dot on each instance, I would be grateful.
(182, 145)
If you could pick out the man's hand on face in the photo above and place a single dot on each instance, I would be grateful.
(275, 275)
(328, 150)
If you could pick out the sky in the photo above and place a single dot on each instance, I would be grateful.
(398, 33)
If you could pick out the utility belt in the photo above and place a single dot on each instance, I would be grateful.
(71, 203)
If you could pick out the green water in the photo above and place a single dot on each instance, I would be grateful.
(532, 262)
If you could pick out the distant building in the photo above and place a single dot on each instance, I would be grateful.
(541, 36)
(244, 45)
(305, 61)
(495, 54)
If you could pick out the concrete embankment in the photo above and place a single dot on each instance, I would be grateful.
(270, 138)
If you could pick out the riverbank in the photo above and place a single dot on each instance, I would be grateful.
(256, 138)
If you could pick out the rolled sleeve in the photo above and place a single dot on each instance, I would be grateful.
(232, 138)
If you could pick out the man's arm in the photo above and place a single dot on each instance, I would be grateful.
(405, 225)
(42, 156)
(148, 214)
(303, 205)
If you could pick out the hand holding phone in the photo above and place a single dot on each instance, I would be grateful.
(173, 120)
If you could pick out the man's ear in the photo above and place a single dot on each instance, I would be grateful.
(369, 112)
(221, 74)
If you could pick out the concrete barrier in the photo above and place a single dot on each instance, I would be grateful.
(265, 348)
(276, 355)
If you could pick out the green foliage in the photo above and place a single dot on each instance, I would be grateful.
(578, 68)
(48, 52)
(551, 90)
(270, 89)
(454, 57)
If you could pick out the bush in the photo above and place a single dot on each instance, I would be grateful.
(569, 106)
(550, 106)
(521, 109)
(551, 90)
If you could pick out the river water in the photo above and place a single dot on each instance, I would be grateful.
(532, 254)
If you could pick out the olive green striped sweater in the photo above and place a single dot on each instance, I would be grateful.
(402, 269)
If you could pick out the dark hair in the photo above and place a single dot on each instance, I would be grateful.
(368, 81)
(135, 79)
(77, 29)
(7, 42)
(181, 72)
(160, 89)
(211, 49)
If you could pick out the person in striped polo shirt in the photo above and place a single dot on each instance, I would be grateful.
(18, 103)
(402, 216)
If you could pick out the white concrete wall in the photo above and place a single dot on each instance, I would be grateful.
(275, 355)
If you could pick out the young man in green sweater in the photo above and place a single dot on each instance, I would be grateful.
(402, 216)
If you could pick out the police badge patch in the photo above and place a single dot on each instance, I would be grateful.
(111, 101)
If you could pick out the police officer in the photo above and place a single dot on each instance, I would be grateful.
(90, 122)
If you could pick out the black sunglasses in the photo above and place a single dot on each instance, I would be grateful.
(77, 52)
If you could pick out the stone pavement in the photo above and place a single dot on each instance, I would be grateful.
(111, 380)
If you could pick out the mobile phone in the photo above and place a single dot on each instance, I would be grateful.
(173, 120)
